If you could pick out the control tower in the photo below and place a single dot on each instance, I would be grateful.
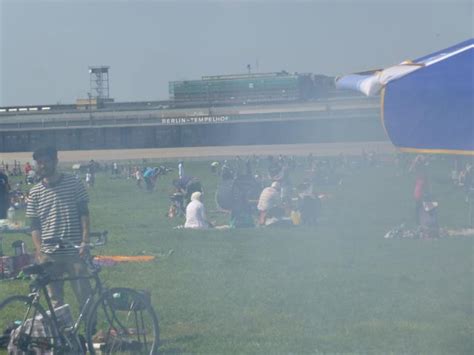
(99, 82)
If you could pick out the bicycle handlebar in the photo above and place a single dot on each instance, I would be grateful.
(58, 243)
(101, 239)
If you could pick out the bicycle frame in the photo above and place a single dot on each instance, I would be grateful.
(54, 335)
(39, 286)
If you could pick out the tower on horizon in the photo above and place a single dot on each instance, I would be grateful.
(99, 82)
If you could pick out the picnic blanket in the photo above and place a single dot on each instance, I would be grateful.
(403, 232)
(463, 232)
(125, 258)
(111, 260)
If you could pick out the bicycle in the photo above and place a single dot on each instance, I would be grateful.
(116, 320)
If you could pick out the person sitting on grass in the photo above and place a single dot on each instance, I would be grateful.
(308, 205)
(232, 197)
(270, 204)
(196, 213)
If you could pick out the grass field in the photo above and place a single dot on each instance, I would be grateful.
(339, 287)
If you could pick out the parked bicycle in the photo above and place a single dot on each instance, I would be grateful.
(114, 321)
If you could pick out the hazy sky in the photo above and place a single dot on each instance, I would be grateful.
(47, 46)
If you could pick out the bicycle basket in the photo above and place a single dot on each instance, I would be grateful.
(125, 301)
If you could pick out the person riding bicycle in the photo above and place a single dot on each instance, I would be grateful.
(58, 208)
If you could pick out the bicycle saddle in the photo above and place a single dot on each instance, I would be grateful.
(36, 269)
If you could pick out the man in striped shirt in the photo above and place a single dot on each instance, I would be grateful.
(58, 208)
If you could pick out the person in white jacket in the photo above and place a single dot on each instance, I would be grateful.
(196, 213)
(269, 203)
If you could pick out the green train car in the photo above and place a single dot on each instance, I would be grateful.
(250, 88)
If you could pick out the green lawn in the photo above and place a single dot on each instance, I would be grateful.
(337, 288)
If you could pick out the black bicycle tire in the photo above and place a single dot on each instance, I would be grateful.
(27, 301)
(136, 295)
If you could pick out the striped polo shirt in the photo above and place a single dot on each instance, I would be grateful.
(56, 207)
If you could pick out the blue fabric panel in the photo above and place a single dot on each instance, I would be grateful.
(432, 108)
(446, 50)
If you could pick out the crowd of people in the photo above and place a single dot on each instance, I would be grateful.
(251, 191)
(426, 204)
(260, 191)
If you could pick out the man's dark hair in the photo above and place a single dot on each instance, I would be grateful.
(46, 152)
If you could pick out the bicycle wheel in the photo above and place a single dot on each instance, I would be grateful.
(122, 321)
(25, 327)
